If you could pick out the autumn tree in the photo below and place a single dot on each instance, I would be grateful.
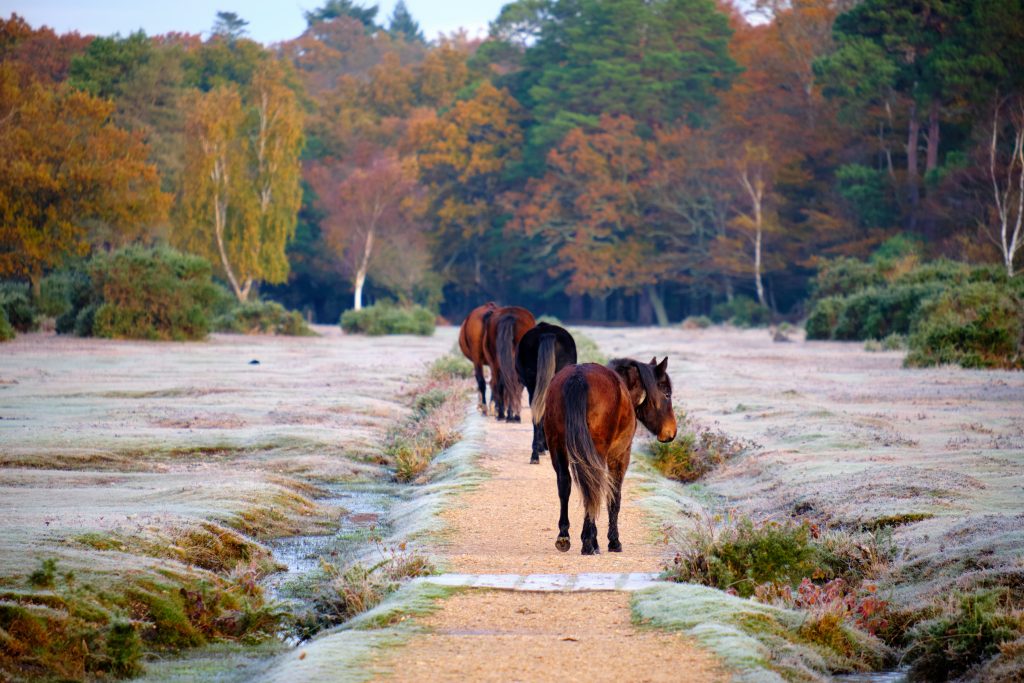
(240, 193)
(463, 154)
(68, 177)
(367, 210)
(590, 207)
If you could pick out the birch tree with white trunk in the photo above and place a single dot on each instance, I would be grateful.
(1006, 172)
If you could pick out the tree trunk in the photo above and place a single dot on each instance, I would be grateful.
(658, 305)
(932, 155)
(599, 308)
(364, 266)
(620, 308)
(913, 189)
(644, 311)
(757, 264)
(575, 307)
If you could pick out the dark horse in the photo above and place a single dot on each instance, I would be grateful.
(541, 353)
(471, 341)
(589, 422)
(502, 333)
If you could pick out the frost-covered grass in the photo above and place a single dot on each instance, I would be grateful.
(757, 642)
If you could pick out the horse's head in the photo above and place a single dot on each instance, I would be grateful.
(650, 389)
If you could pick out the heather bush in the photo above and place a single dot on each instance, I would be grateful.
(386, 318)
(694, 452)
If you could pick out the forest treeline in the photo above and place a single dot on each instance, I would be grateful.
(602, 159)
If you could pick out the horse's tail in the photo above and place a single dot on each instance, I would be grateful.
(545, 371)
(588, 468)
(506, 348)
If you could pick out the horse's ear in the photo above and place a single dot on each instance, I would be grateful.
(654, 361)
(662, 366)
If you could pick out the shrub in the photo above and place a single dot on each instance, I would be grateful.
(450, 366)
(824, 317)
(432, 427)
(345, 592)
(978, 325)
(6, 330)
(385, 318)
(844, 276)
(694, 452)
(64, 292)
(16, 300)
(154, 293)
(742, 311)
(262, 317)
(895, 342)
(743, 555)
(696, 322)
(587, 350)
(970, 629)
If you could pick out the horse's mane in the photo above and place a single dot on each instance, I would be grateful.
(646, 374)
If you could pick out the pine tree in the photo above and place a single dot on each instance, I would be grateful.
(402, 25)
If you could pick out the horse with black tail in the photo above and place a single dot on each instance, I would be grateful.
(589, 422)
(504, 329)
(471, 341)
(541, 353)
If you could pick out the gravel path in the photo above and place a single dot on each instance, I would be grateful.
(508, 526)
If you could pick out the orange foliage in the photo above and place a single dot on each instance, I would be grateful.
(68, 177)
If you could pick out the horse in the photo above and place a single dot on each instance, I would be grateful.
(589, 422)
(541, 353)
(502, 333)
(471, 341)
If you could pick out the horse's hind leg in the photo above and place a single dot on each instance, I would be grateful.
(589, 537)
(614, 499)
(538, 440)
(481, 385)
(564, 488)
(616, 475)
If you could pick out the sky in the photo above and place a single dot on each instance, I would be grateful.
(269, 22)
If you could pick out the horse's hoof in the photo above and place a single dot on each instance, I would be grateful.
(515, 419)
(614, 546)
(562, 543)
(590, 551)
(534, 460)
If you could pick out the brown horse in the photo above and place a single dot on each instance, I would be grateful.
(589, 424)
(471, 341)
(504, 329)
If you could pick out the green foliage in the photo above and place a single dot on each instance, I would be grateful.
(587, 350)
(262, 317)
(878, 312)
(63, 292)
(694, 452)
(44, 576)
(16, 301)
(869, 195)
(969, 630)
(6, 330)
(156, 293)
(433, 426)
(450, 366)
(843, 276)
(978, 325)
(742, 311)
(344, 592)
(124, 650)
(744, 555)
(385, 318)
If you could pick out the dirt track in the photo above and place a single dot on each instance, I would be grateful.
(508, 526)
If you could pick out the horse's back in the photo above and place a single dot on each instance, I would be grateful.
(471, 334)
(528, 351)
(610, 415)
